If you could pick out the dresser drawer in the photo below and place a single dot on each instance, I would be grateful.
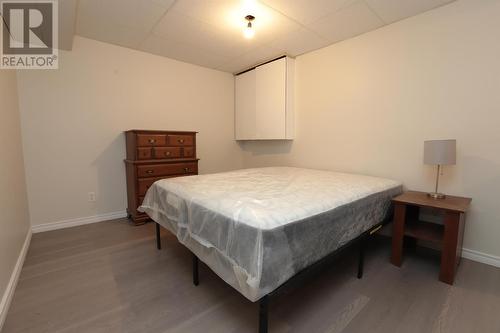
(148, 140)
(172, 169)
(166, 152)
(144, 154)
(180, 140)
(189, 152)
(144, 185)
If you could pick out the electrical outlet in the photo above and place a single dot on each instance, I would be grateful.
(91, 196)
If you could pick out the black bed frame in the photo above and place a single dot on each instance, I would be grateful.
(301, 275)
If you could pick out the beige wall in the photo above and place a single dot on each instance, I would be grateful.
(73, 119)
(14, 217)
(367, 104)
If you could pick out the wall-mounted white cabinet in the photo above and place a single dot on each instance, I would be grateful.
(264, 101)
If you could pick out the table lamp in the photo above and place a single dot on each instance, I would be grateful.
(439, 152)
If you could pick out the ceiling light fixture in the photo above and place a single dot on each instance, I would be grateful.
(249, 32)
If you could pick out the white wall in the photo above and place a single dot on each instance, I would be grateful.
(367, 104)
(14, 217)
(73, 119)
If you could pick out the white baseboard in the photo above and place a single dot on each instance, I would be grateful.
(78, 221)
(481, 257)
(11, 286)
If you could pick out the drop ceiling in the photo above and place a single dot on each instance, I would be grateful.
(209, 32)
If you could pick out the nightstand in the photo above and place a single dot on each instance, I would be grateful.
(449, 235)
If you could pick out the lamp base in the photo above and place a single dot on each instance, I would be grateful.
(435, 195)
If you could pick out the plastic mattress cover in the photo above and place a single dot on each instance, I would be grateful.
(256, 228)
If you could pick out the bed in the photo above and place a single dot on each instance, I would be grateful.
(258, 228)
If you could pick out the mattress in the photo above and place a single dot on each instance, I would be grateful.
(256, 228)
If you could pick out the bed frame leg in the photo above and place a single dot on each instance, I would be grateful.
(196, 278)
(158, 238)
(361, 259)
(263, 314)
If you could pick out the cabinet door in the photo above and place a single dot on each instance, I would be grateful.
(244, 96)
(271, 100)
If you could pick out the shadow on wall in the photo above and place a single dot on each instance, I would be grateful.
(266, 147)
(111, 181)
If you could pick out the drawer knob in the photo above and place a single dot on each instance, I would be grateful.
(180, 140)
(150, 171)
(186, 169)
(152, 140)
(167, 153)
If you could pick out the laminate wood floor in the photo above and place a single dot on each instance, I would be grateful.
(109, 277)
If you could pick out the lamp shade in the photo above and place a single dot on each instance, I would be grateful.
(442, 152)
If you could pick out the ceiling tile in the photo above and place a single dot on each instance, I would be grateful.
(183, 52)
(256, 56)
(392, 11)
(306, 11)
(180, 28)
(67, 18)
(110, 33)
(121, 22)
(348, 22)
(223, 13)
(299, 42)
(229, 17)
(138, 14)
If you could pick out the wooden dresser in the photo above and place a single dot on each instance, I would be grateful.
(155, 155)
